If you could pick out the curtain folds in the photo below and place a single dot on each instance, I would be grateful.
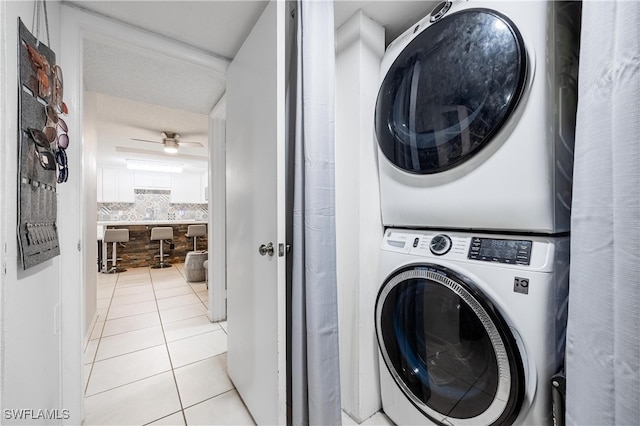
(315, 375)
(603, 335)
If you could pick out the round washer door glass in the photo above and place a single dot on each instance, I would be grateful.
(450, 353)
(450, 91)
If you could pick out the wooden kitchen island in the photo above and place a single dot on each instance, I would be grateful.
(141, 251)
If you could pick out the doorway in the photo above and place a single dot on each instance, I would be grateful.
(82, 29)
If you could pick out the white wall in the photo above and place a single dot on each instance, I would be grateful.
(90, 152)
(360, 46)
(29, 302)
(217, 267)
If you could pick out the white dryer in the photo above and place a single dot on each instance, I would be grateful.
(470, 327)
(475, 117)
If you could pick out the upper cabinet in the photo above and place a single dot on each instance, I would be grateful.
(115, 185)
(151, 180)
(187, 188)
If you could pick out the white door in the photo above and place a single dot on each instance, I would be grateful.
(256, 217)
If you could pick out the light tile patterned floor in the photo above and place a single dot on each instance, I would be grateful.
(378, 419)
(154, 357)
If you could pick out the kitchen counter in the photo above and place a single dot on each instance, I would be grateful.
(151, 222)
(140, 250)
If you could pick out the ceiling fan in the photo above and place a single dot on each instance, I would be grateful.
(171, 141)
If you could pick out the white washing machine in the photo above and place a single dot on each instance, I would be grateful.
(470, 326)
(475, 117)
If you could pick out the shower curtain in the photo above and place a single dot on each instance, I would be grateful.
(603, 335)
(315, 375)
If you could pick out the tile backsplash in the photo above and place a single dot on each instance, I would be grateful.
(151, 205)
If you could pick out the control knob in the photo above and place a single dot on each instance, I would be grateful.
(440, 244)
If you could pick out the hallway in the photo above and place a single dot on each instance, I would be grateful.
(154, 357)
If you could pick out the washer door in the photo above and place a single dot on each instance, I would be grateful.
(448, 349)
(450, 90)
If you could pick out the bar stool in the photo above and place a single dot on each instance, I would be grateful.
(196, 231)
(114, 236)
(161, 233)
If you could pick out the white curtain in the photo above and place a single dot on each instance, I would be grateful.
(315, 375)
(603, 336)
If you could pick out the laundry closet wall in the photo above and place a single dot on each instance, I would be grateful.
(359, 49)
(30, 310)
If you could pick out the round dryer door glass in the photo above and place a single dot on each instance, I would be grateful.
(447, 349)
(450, 91)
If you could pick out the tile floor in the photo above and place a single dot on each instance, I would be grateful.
(378, 419)
(154, 358)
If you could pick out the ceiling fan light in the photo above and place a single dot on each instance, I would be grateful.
(170, 146)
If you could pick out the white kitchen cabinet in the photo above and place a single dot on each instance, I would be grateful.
(126, 193)
(115, 185)
(151, 180)
(187, 188)
(109, 185)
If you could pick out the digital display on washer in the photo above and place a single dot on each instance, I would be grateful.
(517, 252)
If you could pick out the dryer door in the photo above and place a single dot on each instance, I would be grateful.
(450, 91)
(448, 349)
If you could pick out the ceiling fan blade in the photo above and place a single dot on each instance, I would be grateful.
(145, 140)
(198, 144)
(194, 135)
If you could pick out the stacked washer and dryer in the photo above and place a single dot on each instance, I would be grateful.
(475, 122)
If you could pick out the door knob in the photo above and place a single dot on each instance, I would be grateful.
(266, 249)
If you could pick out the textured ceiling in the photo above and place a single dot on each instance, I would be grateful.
(120, 120)
(143, 90)
(217, 27)
(149, 78)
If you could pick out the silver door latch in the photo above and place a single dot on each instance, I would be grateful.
(281, 249)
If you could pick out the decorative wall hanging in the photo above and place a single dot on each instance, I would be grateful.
(42, 139)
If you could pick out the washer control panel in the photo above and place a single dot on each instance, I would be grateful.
(514, 252)
(509, 251)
